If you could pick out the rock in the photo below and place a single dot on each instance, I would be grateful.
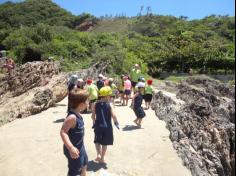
(203, 128)
(43, 87)
(28, 76)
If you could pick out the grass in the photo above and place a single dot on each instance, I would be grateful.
(232, 82)
(176, 79)
(113, 26)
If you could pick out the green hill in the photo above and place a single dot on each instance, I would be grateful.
(36, 29)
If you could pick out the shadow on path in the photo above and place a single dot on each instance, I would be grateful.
(56, 105)
(94, 167)
(131, 128)
(59, 120)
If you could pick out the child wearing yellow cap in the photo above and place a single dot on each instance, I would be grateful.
(102, 119)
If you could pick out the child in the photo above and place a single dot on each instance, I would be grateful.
(100, 82)
(140, 79)
(102, 115)
(128, 87)
(121, 88)
(148, 94)
(137, 104)
(70, 86)
(80, 83)
(93, 93)
(72, 134)
(113, 89)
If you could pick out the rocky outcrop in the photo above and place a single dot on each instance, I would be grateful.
(203, 127)
(40, 89)
(28, 76)
(86, 26)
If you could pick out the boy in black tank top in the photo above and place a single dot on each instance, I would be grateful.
(72, 134)
(102, 119)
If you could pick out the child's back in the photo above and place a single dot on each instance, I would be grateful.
(100, 84)
(149, 89)
(93, 92)
(103, 115)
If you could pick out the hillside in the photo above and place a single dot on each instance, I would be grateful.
(37, 29)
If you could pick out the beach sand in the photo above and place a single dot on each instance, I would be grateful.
(33, 147)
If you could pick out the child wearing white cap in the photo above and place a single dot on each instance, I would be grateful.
(137, 104)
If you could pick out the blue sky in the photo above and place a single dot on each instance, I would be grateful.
(194, 9)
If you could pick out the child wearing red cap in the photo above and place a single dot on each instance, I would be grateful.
(148, 94)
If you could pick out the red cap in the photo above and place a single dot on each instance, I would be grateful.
(89, 81)
(149, 82)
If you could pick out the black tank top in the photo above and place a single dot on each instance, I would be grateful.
(76, 135)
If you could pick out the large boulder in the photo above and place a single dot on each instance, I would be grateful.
(39, 90)
(202, 128)
(28, 76)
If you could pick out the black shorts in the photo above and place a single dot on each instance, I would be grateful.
(121, 91)
(75, 166)
(147, 97)
(139, 112)
(127, 92)
(133, 83)
(103, 136)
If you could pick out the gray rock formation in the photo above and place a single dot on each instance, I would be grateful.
(35, 87)
(203, 128)
(28, 76)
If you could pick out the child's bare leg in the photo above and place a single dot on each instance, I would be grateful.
(84, 170)
(123, 100)
(127, 100)
(99, 152)
(113, 102)
(146, 104)
(140, 122)
(136, 121)
(104, 150)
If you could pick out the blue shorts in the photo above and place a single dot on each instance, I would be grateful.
(139, 112)
(103, 136)
(75, 166)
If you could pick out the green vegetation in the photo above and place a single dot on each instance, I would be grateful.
(232, 82)
(176, 78)
(36, 29)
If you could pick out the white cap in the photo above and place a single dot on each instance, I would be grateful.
(141, 85)
(74, 76)
(100, 76)
(111, 79)
(80, 80)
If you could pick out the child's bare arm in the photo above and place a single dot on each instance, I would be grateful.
(69, 123)
(93, 114)
(113, 116)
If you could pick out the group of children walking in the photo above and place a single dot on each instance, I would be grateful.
(98, 98)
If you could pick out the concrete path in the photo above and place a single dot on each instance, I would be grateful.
(32, 147)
